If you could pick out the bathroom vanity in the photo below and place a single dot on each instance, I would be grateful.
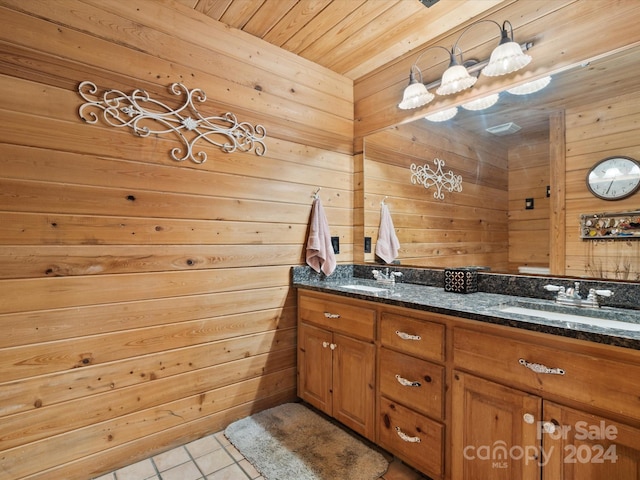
(460, 387)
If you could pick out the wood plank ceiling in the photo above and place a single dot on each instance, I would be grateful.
(350, 37)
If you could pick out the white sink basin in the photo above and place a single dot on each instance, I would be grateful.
(567, 317)
(365, 288)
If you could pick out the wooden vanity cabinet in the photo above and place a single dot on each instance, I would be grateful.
(488, 421)
(465, 400)
(529, 406)
(336, 360)
(593, 448)
(411, 386)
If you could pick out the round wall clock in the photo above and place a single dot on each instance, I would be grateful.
(614, 178)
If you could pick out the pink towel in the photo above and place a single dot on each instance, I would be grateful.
(320, 254)
(387, 245)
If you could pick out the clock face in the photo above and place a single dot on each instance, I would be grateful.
(614, 178)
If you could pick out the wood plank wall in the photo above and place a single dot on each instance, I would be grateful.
(466, 228)
(593, 132)
(529, 176)
(146, 302)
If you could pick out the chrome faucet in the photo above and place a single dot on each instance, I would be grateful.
(571, 296)
(387, 278)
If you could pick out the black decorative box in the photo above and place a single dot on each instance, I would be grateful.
(461, 280)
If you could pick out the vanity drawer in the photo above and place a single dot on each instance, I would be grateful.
(578, 373)
(417, 384)
(336, 316)
(412, 437)
(421, 338)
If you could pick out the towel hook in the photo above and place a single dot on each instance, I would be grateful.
(315, 195)
(384, 200)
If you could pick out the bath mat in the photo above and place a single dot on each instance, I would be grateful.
(292, 442)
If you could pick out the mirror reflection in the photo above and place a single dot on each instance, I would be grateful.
(520, 207)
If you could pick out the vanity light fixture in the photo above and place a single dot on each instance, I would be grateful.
(456, 78)
(506, 58)
(416, 94)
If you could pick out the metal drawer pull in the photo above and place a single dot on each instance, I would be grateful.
(539, 368)
(406, 336)
(331, 315)
(407, 383)
(406, 437)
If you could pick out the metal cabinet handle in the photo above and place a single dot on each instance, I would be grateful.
(325, 344)
(331, 315)
(333, 346)
(407, 336)
(540, 368)
(406, 437)
(529, 418)
(407, 383)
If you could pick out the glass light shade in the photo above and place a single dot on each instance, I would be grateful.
(530, 87)
(415, 95)
(454, 80)
(482, 103)
(443, 116)
(506, 58)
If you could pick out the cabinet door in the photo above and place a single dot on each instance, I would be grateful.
(314, 366)
(494, 433)
(579, 446)
(353, 384)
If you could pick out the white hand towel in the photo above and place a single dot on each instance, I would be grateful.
(320, 254)
(387, 245)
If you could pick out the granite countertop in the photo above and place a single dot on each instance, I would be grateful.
(486, 307)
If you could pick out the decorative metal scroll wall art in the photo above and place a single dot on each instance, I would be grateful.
(146, 116)
(424, 175)
(623, 225)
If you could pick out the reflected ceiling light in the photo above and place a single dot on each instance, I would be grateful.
(443, 116)
(530, 87)
(506, 58)
(482, 103)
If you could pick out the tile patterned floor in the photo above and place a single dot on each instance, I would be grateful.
(214, 458)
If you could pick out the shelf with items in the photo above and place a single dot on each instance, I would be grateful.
(622, 225)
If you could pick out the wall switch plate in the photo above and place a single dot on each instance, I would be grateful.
(528, 204)
(367, 244)
(335, 243)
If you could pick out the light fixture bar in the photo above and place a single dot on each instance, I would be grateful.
(506, 58)
(476, 67)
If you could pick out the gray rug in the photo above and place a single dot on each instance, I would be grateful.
(291, 442)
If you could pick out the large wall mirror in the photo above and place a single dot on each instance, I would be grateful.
(504, 216)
